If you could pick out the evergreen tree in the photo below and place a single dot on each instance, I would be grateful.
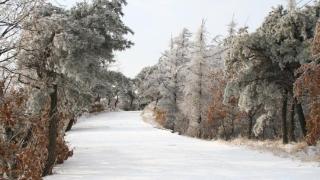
(60, 44)
(170, 76)
(196, 88)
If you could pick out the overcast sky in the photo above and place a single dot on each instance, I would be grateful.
(154, 21)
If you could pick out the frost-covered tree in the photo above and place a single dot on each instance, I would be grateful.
(171, 76)
(253, 80)
(122, 91)
(232, 28)
(292, 4)
(148, 86)
(130, 98)
(289, 47)
(197, 87)
(173, 82)
(60, 44)
(248, 81)
(12, 14)
(262, 64)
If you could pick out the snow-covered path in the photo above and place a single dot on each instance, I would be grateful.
(121, 146)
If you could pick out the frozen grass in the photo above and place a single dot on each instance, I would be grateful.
(297, 151)
(119, 145)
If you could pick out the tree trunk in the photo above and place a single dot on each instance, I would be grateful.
(109, 101)
(98, 99)
(284, 118)
(1, 90)
(232, 128)
(155, 106)
(27, 138)
(250, 126)
(200, 105)
(263, 134)
(131, 103)
(301, 118)
(9, 133)
(274, 128)
(292, 123)
(225, 130)
(53, 132)
(116, 102)
(70, 124)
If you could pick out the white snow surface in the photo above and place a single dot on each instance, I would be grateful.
(119, 145)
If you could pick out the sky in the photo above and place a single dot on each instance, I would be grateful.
(156, 21)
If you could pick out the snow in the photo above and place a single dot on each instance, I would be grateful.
(119, 145)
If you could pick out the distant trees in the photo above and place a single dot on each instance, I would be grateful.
(180, 83)
(265, 89)
(148, 86)
(123, 92)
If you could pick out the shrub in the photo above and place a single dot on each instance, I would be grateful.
(160, 117)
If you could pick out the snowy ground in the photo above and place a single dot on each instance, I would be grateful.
(121, 146)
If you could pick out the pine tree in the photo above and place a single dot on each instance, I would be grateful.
(172, 81)
(263, 63)
(292, 4)
(59, 45)
(194, 89)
